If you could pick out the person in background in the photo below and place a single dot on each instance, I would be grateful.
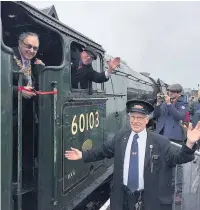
(194, 107)
(171, 111)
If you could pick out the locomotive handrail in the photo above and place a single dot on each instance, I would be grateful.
(19, 145)
(55, 146)
(115, 94)
(179, 146)
(136, 79)
(87, 99)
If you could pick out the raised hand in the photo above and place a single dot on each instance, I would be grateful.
(113, 64)
(160, 98)
(38, 61)
(167, 99)
(193, 135)
(73, 154)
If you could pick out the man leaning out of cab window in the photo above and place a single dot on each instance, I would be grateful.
(82, 72)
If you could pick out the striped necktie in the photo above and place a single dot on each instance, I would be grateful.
(133, 174)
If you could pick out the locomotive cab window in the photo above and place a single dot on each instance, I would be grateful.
(80, 73)
(75, 52)
(16, 21)
(98, 66)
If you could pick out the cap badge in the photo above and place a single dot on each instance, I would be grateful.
(138, 107)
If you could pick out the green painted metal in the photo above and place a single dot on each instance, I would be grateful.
(82, 128)
(6, 128)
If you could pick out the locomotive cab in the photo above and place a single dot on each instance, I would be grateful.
(25, 153)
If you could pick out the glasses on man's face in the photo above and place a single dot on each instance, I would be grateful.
(138, 118)
(29, 46)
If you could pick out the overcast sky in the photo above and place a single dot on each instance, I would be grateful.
(162, 38)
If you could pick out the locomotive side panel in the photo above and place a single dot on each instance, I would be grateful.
(6, 127)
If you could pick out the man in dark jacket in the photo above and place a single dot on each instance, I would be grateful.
(170, 114)
(23, 59)
(82, 72)
(143, 162)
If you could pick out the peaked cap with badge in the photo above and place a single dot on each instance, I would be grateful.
(139, 106)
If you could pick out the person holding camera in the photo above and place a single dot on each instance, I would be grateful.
(170, 112)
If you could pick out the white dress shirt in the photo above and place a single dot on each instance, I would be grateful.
(141, 152)
(107, 74)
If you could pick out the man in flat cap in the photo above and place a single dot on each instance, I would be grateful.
(143, 162)
(83, 73)
(170, 115)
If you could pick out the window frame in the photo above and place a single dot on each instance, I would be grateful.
(73, 90)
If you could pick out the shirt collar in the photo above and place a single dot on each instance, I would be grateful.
(142, 133)
(80, 62)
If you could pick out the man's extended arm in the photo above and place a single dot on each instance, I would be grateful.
(105, 151)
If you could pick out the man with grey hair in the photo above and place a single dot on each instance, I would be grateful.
(28, 45)
(143, 162)
(24, 60)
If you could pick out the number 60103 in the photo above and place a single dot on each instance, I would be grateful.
(84, 122)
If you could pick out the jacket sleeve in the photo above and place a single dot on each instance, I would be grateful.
(97, 77)
(180, 113)
(157, 111)
(105, 151)
(178, 156)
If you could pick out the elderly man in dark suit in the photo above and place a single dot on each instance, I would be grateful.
(143, 162)
(24, 59)
(82, 72)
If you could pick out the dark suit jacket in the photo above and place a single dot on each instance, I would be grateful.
(85, 75)
(157, 185)
(169, 117)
